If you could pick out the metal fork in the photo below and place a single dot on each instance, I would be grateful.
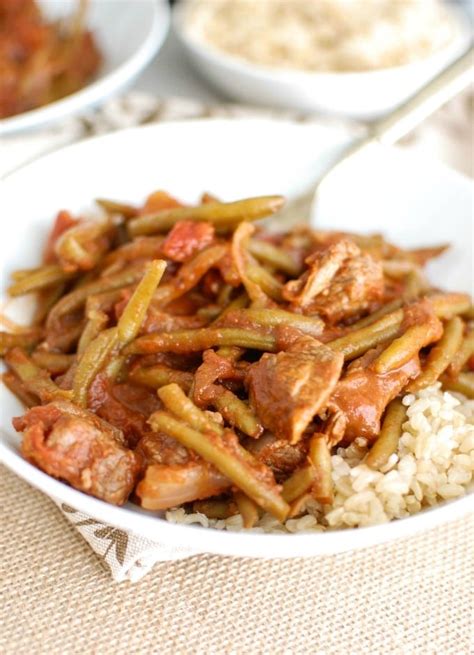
(386, 131)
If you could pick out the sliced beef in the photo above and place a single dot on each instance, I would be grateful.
(76, 446)
(340, 282)
(288, 389)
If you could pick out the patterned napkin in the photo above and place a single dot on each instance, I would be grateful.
(448, 136)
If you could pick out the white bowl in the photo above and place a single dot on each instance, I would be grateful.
(232, 159)
(361, 96)
(128, 32)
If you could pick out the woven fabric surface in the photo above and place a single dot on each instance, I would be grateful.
(414, 596)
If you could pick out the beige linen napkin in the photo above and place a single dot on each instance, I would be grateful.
(448, 136)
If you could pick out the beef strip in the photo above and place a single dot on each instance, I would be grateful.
(288, 389)
(76, 446)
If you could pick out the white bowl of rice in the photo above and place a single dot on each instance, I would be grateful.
(355, 58)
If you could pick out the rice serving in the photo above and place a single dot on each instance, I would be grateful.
(434, 462)
(322, 35)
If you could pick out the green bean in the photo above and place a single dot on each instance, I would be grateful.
(55, 363)
(463, 355)
(356, 343)
(387, 441)
(227, 460)
(221, 214)
(464, 383)
(17, 388)
(237, 413)
(401, 350)
(160, 375)
(382, 311)
(28, 339)
(91, 362)
(230, 352)
(176, 401)
(214, 508)
(440, 356)
(186, 341)
(277, 257)
(46, 299)
(247, 508)
(78, 297)
(299, 483)
(238, 303)
(94, 326)
(279, 317)
(447, 305)
(134, 313)
(320, 457)
(40, 278)
(114, 207)
(35, 379)
(265, 280)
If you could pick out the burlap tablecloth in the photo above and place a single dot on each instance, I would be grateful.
(414, 596)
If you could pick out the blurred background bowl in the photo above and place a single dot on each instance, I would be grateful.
(128, 33)
(357, 95)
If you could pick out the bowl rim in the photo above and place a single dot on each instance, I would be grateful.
(101, 88)
(193, 539)
(275, 74)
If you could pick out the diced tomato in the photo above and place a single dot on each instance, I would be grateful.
(186, 238)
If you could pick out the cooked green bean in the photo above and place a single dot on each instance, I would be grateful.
(401, 350)
(299, 483)
(275, 256)
(9, 340)
(186, 341)
(247, 508)
(266, 281)
(320, 457)
(176, 401)
(160, 375)
(135, 311)
(78, 297)
(356, 343)
(447, 305)
(40, 278)
(91, 362)
(35, 379)
(55, 363)
(227, 460)
(375, 316)
(94, 326)
(465, 352)
(45, 300)
(17, 388)
(389, 436)
(279, 317)
(464, 383)
(221, 214)
(237, 413)
(114, 207)
(440, 356)
(214, 508)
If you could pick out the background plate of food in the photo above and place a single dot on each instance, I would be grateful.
(313, 482)
(73, 54)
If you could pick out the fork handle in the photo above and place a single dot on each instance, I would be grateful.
(447, 84)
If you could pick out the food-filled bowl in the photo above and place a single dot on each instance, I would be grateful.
(127, 36)
(127, 166)
(362, 95)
